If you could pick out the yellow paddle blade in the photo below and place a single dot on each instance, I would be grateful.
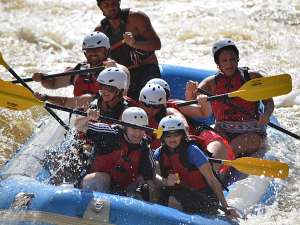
(256, 166)
(2, 62)
(158, 132)
(16, 97)
(264, 88)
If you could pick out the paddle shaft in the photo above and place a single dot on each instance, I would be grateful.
(61, 122)
(78, 112)
(69, 73)
(211, 98)
(244, 111)
(75, 72)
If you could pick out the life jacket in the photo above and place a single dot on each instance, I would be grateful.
(122, 164)
(117, 110)
(125, 55)
(206, 137)
(177, 162)
(225, 112)
(85, 83)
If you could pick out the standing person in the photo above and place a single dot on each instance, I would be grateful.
(243, 126)
(123, 160)
(187, 176)
(95, 47)
(139, 38)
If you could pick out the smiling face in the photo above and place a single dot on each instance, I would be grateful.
(110, 8)
(134, 135)
(173, 139)
(108, 93)
(228, 62)
(95, 56)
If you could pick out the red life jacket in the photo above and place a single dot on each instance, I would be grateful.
(122, 165)
(131, 101)
(223, 111)
(85, 84)
(173, 163)
(208, 136)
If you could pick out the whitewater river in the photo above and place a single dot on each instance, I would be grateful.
(46, 36)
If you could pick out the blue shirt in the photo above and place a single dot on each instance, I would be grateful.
(196, 155)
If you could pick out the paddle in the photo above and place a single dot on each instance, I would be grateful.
(53, 114)
(68, 73)
(256, 166)
(16, 97)
(256, 89)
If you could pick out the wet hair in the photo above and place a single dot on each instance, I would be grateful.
(231, 48)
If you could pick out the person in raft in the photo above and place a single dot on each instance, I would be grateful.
(187, 178)
(96, 48)
(238, 120)
(123, 163)
(138, 42)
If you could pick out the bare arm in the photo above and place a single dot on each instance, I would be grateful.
(142, 24)
(81, 123)
(214, 184)
(53, 83)
(207, 84)
(69, 102)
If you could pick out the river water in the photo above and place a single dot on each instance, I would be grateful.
(46, 35)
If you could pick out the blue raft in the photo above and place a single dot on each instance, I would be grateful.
(26, 197)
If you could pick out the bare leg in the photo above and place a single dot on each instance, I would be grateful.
(246, 144)
(98, 181)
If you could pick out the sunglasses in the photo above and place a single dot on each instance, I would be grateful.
(108, 88)
(152, 106)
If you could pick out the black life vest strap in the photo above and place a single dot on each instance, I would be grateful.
(107, 29)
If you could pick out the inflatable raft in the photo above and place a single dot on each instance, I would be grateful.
(26, 197)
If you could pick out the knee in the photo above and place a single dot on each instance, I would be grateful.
(96, 182)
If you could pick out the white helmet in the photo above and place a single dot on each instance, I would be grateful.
(222, 44)
(153, 94)
(113, 76)
(135, 115)
(95, 39)
(160, 82)
(171, 123)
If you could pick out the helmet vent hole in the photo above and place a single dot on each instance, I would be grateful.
(99, 42)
